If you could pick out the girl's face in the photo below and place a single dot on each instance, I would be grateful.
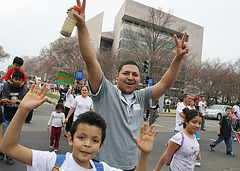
(84, 91)
(194, 124)
(191, 103)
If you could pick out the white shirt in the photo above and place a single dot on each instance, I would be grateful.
(45, 161)
(69, 99)
(179, 119)
(167, 102)
(189, 107)
(56, 119)
(185, 157)
(202, 107)
(237, 109)
(81, 105)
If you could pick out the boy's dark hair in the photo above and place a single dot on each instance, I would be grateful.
(128, 63)
(228, 108)
(59, 106)
(18, 74)
(18, 60)
(190, 114)
(91, 118)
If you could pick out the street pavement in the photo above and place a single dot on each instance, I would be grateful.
(35, 136)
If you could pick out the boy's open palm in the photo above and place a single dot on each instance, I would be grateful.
(34, 98)
(146, 139)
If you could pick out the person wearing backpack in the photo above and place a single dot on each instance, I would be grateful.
(183, 147)
(86, 139)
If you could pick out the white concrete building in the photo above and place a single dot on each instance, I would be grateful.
(133, 16)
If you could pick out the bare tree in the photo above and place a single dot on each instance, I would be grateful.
(153, 41)
(3, 54)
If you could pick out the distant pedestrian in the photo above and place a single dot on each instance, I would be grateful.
(153, 112)
(56, 122)
(81, 104)
(167, 105)
(196, 101)
(234, 124)
(179, 113)
(184, 146)
(67, 103)
(179, 101)
(202, 109)
(237, 112)
(174, 101)
(78, 87)
(224, 133)
(62, 92)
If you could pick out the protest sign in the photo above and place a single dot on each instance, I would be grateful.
(65, 78)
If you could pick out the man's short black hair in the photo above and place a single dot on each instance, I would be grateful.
(18, 74)
(185, 95)
(90, 118)
(18, 60)
(128, 63)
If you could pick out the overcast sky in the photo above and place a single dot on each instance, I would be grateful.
(29, 25)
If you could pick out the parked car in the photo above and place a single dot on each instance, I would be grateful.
(216, 111)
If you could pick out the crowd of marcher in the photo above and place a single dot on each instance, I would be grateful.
(105, 122)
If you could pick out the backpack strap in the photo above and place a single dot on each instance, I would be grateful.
(182, 139)
(59, 161)
(99, 166)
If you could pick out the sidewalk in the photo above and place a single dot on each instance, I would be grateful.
(166, 114)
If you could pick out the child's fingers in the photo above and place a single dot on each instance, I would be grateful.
(36, 87)
(150, 130)
(31, 88)
(136, 140)
(41, 89)
(154, 135)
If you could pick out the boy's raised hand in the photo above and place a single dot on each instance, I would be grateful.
(34, 98)
(146, 139)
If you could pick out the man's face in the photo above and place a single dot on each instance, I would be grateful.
(79, 85)
(65, 87)
(86, 143)
(203, 98)
(17, 81)
(16, 67)
(187, 99)
(128, 79)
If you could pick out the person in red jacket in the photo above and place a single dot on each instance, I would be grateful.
(17, 64)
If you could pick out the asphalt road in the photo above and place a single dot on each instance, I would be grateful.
(35, 136)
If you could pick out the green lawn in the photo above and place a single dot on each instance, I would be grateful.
(53, 96)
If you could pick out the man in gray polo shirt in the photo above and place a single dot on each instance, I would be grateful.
(121, 106)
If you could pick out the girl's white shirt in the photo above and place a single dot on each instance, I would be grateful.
(185, 157)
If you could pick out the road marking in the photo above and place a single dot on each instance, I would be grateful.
(215, 140)
(163, 127)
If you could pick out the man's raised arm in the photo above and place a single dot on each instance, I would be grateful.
(87, 50)
(171, 75)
